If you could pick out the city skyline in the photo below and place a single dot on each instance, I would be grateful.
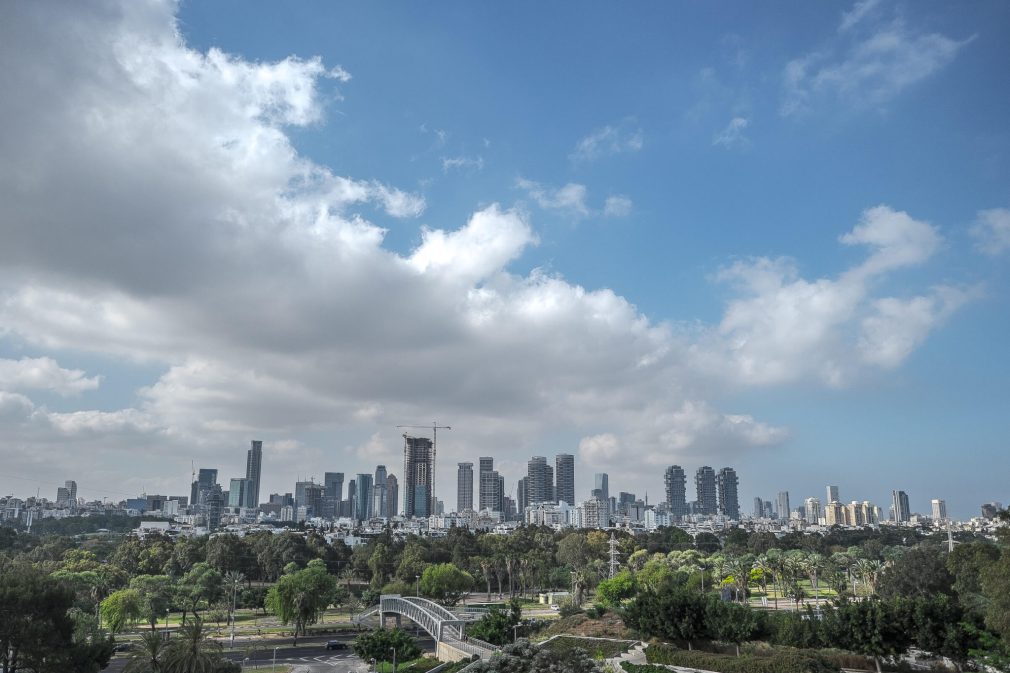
(676, 236)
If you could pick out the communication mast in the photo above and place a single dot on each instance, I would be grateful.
(614, 563)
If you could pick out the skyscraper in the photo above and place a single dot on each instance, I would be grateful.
(939, 509)
(704, 484)
(392, 495)
(899, 505)
(759, 508)
(333, 485)
(362, 496)
(379, 492)
(253, 465)
(491, 496)
(205, 480)
(352, 494)
(727, 483)
(71, 487)
(521, 500)
(541, 484)
(564, 473)
(601, 486)
(309, 495)
(812, 509)
(238, 492)
(464, 487)
(783, 505)
(418, 461)
(832, 494)
(676, 490)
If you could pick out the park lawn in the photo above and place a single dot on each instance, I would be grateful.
(419, 665)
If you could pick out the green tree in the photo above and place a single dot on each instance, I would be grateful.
(301, 597)
(445, 583)
(610, 592)
(202, 584)
(918, 572)
(671, 613)
(730, 622)
(121, 608)
(155, 593)
(870, 627)
(496, 626)
(995, 581)
(148, 658)
(37, 631)
(379, 645)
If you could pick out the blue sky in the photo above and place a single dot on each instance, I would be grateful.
(773, 238)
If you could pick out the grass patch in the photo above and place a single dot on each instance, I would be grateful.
(420, 665)
(785, 662)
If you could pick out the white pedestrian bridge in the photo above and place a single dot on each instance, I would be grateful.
(446, 627)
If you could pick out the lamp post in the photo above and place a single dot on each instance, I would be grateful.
(234, 589)
(275, 657)
(514, 636)
(166, 623)
(393, 650)
(417, 585)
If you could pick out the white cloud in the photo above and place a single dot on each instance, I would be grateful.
(868, 69)
(859, 11)
(733, 135)
(992, 231)
(785, 328)
(609, 140)
(569, 198)
(44, 374)
(463, 163)
(617, 206)
(153, 209)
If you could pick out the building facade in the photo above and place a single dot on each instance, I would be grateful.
(541, 481)
(675, 481)
(727, 485)
(704, 484)
(464, 487)
(418, 464)
(564, 473)
(253, 470)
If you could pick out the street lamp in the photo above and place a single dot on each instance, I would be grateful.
(393, 650)
(514, 636)
(275, 657)
(417, 585)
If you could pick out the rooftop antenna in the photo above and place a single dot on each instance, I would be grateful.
(613, 556)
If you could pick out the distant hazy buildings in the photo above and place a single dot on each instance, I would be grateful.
(782, 504)
(939, 508)
(362, 497)
(392, 495)
(832, 493)
(333, 492)
(540, 487)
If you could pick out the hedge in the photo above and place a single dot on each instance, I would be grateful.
(784, 662)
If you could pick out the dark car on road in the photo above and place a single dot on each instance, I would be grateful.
(336, 645)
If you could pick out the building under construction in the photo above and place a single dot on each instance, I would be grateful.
(418, 472)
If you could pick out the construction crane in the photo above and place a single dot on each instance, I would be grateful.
(435, 427)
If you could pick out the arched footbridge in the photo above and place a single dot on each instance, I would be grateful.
(446, 627)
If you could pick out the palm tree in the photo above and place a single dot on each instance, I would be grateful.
(868, 569)
(233, 579)
(814, 563)
(764, 565)
(739, 568)
(148, 659)
(191, 651)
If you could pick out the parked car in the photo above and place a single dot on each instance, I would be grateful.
(336, 645)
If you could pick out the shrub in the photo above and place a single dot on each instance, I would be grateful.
(780, 662)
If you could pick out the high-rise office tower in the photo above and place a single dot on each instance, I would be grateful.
(464, 487)
(71, 487)
(392, 495)
(363, 496)
(704, 484)
(676, 490)
(311, 496)
(352, 493)
(238, 492)
(564, 473)
(521, 501)
(333, 485)
(601, 487)
(782, 505)
(727, 483)
(768, 511)
(812, 510)
(491, 497)
(501, 493)
(832, 492)
(939, 509)
(759, 508)
(418, 461)
(253, 467)
(899, 505)
(541, 484)
(62, 497)
(379, 507)
(485, 499)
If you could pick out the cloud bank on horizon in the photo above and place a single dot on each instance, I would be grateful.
(155, 212)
